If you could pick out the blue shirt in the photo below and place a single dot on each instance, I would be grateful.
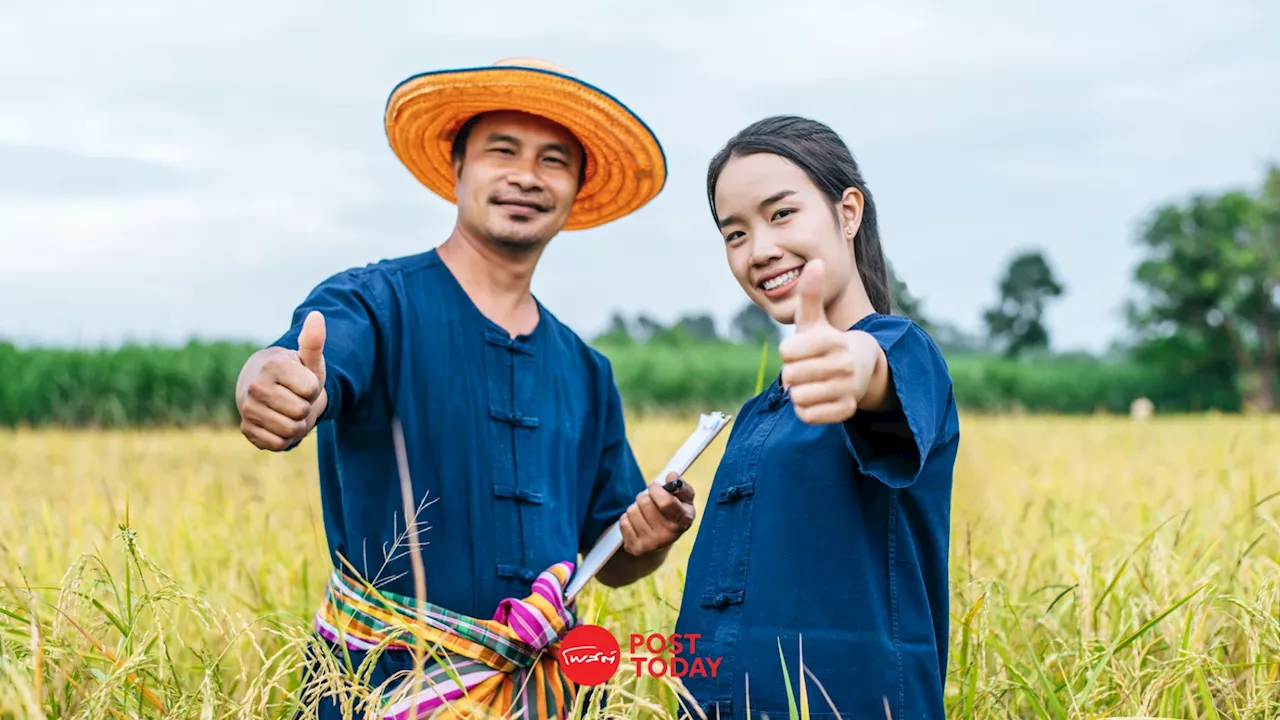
(835, 534)
(516, 447)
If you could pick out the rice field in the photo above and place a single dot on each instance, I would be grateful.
(1101, 568)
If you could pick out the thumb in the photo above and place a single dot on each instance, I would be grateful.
(811, 287)
(311, 343)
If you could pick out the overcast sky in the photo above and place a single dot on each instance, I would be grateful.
(170, 170)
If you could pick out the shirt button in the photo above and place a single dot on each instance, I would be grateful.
(722, 600)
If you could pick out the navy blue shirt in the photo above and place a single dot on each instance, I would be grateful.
(516, 446)
(837, 534)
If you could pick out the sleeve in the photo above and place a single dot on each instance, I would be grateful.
(618, 477)
(893, 446)
(353, 319)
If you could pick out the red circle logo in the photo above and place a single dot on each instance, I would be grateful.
(588, 655)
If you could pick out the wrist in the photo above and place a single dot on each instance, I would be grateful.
(319, 406)
(866, 354)
(871, 365)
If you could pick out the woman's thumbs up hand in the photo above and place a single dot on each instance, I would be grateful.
(826, 369)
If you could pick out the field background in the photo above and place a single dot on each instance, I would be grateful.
(1110, 568)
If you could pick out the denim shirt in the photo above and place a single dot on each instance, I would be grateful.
(516, 446)
(831, 539)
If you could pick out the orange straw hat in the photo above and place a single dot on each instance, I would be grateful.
(625, 164)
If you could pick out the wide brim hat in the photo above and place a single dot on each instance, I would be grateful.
(625, 163)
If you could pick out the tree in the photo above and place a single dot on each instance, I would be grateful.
(1016, 321)
(701, 327)
(647, 328)
(1210, 286)
(904, 303)
(949, 337)
(618, 332)
(753, 325)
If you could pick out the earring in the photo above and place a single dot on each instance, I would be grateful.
(848, 230)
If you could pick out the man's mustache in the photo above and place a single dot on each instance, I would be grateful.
(536, 202)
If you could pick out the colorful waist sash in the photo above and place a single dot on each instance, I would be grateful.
(505, 667)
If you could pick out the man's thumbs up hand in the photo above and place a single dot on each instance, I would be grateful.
(286, 395)
(818, 363)
(311, 345)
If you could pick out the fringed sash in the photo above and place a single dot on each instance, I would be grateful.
(502, 668)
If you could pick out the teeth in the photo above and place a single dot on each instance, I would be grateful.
(781, 280)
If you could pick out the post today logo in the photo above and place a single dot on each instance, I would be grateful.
(590, 655)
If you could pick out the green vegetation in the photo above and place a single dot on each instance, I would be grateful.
(193, 385)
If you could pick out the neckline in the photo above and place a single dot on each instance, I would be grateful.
(490, 323)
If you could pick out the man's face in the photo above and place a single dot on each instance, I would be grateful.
(518, 179)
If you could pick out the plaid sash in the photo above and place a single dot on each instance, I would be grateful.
(505, 667)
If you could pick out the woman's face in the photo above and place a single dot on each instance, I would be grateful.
(774, 220)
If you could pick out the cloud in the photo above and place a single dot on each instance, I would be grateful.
(169, 170)
(36, 171)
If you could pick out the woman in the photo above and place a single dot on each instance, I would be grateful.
(827, 526)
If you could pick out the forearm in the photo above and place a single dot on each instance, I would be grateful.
(879, 396)
(624, 568)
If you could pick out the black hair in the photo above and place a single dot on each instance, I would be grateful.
(459, 150)
(823, 156)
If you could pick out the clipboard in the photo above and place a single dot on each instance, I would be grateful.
(709, 426)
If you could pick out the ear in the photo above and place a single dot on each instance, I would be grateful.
(457, 171)
(851, 212)
(582, 166)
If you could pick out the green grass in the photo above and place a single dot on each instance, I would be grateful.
(194, 384)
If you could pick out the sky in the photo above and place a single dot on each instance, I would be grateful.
(172, 170)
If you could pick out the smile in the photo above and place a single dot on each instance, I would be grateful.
(778, 281)
(519, 205)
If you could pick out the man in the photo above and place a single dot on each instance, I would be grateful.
(513, 425)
